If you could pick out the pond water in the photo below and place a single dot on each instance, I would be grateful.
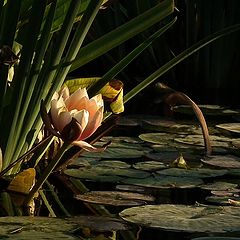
(153, 182)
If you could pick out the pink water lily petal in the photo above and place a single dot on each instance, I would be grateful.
(81, 117)
(55, 110)
(76, 98)
(94, 104)
(64, 119)
(88, 147)
(93, 124)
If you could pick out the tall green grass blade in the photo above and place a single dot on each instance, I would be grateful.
(123, 33)
(127, 59)
(49, 69)
(179, 58)
(22, 76)
(75, 45)
(9, 18)
(35, 70)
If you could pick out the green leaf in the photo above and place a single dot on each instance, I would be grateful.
(123, 33)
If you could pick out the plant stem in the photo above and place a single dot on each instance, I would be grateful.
(46, 173)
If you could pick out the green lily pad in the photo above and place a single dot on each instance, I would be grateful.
(157, 138)
(115, 198)
(130, 188)
(149, 165)
(229, 128)
(221, 200)
(184, 218)
(90, 175)
(117, 153)
(98, 173)
(219, 186)
(84, 161)
(197, 140)
(113, 164)
(169, 126)
(24, 228)
(223, 161)
(194, 173)
(164, 182)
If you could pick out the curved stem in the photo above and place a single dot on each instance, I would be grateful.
(176, 97)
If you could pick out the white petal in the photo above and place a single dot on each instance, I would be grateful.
(82, 118)
(64, 119)
(65, 93)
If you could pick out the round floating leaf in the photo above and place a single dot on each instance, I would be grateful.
(36, 228)
(185, 218)
(219, 186)
(130, 188)
(230, 128)
(84, 161)
(115, 198)
(24, 228)
(164, 125)
(100, 223)
(221, 200)
(216, 141)
(161, 182)
(224, 161)
(149, 165)
(113, 164)
(116, 153)
(194, 173)
(236, 143)
(90, 175)
(95, 173)
(157, 138)
(130, 140)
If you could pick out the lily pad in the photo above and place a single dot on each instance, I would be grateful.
(157, 138)
(184, 218)
(164, 182)
(84, 161)
(221, 200)
(95, 173)
(113, 164)
(169, 126)
(115, 198)
(219, 186)
(150, 165)
(116, 153)
(193, 173)
(197, 140)
(223, 161)
(90, 175)
(229, 128)
(24, 228)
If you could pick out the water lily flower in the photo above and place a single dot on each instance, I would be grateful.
(75, 117)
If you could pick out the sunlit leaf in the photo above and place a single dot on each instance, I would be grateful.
(23, 181)
(210, 219)
(112, 92)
